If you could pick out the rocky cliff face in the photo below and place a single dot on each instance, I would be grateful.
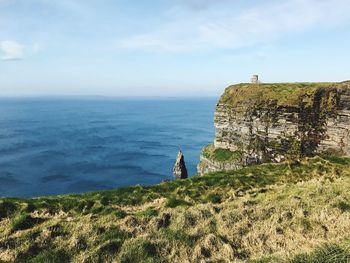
(257, 123)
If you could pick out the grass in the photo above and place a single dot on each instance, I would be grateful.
(120, 213)
(221, 155)
(179, 236)
(213, 198)
(139, 250)
(245, 95)
(24, 221)
(282, 210)
(148, 213)
(7, 209)
(343, 206)
(328, 253)
(115, 233)
(173, 202)
(57, 256)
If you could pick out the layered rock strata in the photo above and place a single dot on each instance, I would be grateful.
(276, 122)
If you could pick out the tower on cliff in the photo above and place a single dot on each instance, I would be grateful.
(254, 79)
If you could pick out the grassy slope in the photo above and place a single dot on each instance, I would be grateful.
(279, 210)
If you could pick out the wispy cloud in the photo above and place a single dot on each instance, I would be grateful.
(11, 50)
(219, 26)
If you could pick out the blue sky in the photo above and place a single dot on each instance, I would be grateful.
(168, 47)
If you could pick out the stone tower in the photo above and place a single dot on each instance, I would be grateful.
(254, 79)
(180, 170)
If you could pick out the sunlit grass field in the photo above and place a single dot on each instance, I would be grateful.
(289, 212)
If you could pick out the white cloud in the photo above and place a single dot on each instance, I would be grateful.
(11, 50)
(220, 26)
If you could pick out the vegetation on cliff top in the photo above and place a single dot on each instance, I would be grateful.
(244, 95)
(285, 211)
(220, 155)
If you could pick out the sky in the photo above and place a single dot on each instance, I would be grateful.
(168, 47)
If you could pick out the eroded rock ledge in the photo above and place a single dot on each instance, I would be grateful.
(258, 123)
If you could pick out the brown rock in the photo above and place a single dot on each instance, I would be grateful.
(180, 170)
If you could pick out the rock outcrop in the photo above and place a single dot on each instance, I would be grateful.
(180, 170)
(257, 123)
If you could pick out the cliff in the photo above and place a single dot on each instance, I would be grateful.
(259, 123)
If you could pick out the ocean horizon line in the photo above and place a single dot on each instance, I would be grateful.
(103, 97)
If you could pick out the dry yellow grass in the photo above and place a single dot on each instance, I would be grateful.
(273, 222)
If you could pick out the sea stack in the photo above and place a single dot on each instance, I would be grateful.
(180, 171)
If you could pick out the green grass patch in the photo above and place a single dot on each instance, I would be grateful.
(221, 155)
(139, 251)
(51, 256)
(107, 251)
(213, 198)
(193, 188)
(148, 213)
(179, 236)
(173, 202)
(25, 221)
(306, 224)
(343, 206)
(7, 209)
(330, 253)
(337, 159)
(115, 233)
(119, 213)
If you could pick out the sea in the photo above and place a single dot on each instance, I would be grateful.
(51, 146)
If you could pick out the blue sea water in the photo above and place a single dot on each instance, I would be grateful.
(70, 145)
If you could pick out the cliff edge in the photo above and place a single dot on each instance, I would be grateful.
(259, 123)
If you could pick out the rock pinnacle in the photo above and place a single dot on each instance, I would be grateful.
(180, 171)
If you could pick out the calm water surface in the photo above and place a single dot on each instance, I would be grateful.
(56, 146)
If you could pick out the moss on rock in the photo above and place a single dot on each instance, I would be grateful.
(221, 155)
